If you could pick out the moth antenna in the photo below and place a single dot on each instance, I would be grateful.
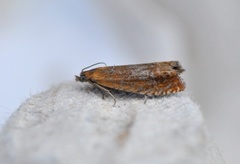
(94, 65)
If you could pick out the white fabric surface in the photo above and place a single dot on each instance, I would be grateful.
(71, 123)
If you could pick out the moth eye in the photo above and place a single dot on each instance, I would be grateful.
(175, 67)
(83, 77)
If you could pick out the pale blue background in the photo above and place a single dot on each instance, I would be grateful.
(43, 43)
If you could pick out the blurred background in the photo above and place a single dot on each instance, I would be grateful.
(43, 43)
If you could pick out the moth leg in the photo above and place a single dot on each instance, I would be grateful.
(145, 99)
(105, 90)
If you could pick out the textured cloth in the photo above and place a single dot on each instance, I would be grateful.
(71, 123)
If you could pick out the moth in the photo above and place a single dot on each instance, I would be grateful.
(150, 79)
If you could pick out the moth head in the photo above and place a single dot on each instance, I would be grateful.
(81, 78)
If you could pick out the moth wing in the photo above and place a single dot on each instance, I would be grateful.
(135, 72)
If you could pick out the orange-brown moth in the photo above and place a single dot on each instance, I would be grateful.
(151, 79)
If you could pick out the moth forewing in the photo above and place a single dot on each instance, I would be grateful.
(135, 72)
